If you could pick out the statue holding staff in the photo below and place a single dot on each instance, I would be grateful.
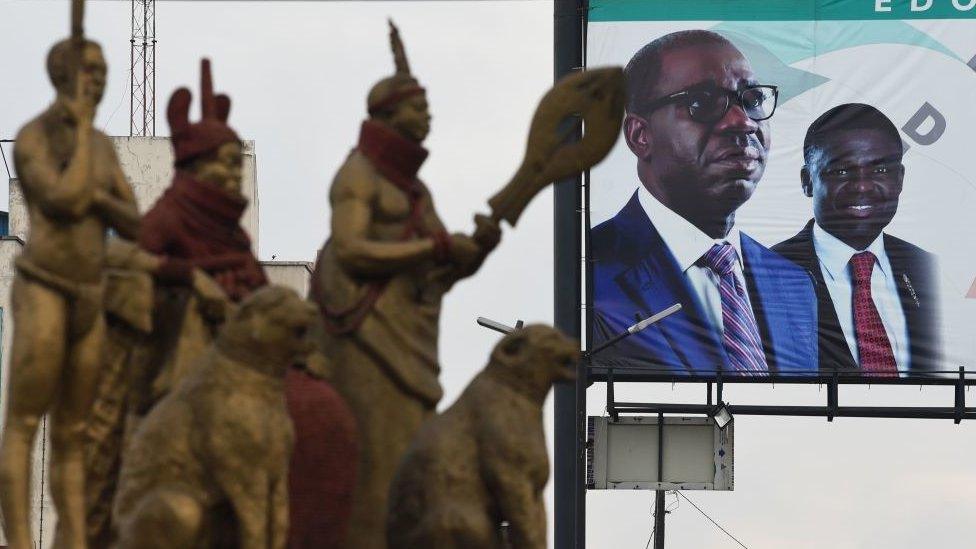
(75, 192)
(380, 278)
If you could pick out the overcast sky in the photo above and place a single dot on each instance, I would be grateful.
(298, 73)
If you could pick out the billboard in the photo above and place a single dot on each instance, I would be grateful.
(798, 176)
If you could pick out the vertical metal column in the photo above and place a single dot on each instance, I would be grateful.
(570, 491)
(142, 69)
(659, 510)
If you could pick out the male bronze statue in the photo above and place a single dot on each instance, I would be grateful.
(484, 460)
(375, 286)
(75, 192)
(380, 278)
(166, 299)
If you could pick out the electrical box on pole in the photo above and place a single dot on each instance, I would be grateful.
(643, 453)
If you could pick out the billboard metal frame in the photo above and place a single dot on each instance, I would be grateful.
(957, 412)
(569, 45)
(636, 374)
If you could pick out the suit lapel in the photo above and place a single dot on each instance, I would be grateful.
(918, 305)
(764, 291)
(657, 282)
(835, 353)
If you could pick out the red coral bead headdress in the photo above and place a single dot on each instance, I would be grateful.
(191, 141)
(390, 91)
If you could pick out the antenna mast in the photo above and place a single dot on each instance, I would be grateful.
(142, 74)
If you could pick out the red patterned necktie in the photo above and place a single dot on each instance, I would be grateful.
(873, 346)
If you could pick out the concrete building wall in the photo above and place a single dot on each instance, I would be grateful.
(9, 248)
(292, 274)
(43, 514)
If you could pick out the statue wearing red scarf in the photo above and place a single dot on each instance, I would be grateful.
(379, 282)
(196, 225)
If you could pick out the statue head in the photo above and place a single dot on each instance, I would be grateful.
(269, 331)
(76, 57)
(209, 150)
(399, 101)
(533, 358)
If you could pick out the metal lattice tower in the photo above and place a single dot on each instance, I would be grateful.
(142, 73)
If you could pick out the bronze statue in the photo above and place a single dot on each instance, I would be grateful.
(195, 227)
(484, 460)
(163, 306)
(380, 278)
(208, 466)
(75, 192)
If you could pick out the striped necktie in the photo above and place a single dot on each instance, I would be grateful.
(741, 335)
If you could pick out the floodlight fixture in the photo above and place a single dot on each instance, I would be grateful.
(633, 329)
(498, 326)
(722, 416)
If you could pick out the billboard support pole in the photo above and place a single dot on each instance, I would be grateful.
(659, 494)
(960, 397)
(611, 407)
(570, 397)
(832, 397)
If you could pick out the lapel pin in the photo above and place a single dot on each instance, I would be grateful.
(911, 289)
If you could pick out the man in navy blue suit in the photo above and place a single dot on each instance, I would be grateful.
(878, 295)
(697, 121)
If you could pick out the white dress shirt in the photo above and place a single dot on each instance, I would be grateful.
(834, 257)
(688, 244)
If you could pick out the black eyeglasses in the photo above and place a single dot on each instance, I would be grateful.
(708, 105)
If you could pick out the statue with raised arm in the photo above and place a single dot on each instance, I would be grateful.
(381, 276)
(195, 229)
(75, 192)
(166, 298)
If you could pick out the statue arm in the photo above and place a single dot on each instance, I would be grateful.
(118, 207)
(66, 194)
(352, 194)
(156, 237)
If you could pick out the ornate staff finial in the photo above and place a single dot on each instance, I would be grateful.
(399, 53)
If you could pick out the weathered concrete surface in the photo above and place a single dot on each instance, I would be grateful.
(290, 274)
(44, 515)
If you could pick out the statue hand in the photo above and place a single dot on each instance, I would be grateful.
(81, 105)
(487, 232)
(318, 366)
(214, 304)
(465, 251)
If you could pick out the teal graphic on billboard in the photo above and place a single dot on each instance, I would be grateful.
(797, 175)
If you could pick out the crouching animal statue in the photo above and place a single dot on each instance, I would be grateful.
(484, 460)
(208, 466)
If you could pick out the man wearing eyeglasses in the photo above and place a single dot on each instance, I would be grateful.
(878, 295)
(698, 123)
